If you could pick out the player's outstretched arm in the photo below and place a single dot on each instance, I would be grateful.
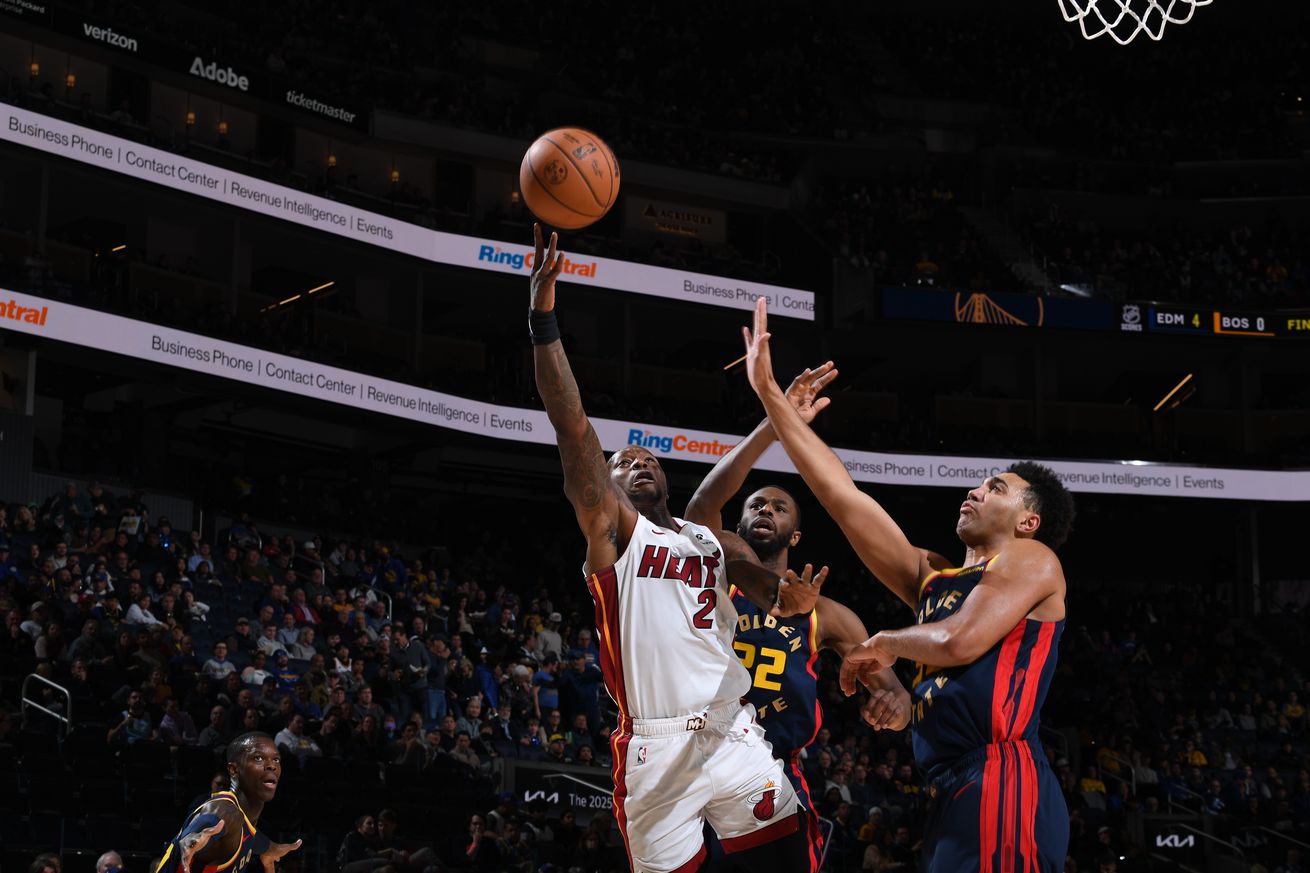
(605, 516)
(211, 837)
(1026, 580)
(888, 706)
(729, 474)
(274, 853)
(873, 534)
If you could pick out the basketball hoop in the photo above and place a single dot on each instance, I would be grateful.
(1123, 20)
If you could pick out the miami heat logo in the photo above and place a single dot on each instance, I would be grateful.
(762, 801)
(555, 172)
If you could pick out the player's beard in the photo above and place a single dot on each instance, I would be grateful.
(766, 548)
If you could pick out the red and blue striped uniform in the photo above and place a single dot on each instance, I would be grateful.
(781, 656)
(996, 803)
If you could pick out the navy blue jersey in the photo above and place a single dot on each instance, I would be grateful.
(960, 710)
(780, 655)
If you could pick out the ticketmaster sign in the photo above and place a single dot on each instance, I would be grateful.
(37, 316)
(128, 158)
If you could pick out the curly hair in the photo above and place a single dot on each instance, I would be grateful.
(1046, 496)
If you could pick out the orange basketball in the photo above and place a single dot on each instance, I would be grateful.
(569, 178)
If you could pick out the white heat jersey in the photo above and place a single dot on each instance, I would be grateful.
(666, 622)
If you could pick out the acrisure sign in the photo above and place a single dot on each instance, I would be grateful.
(90, 328)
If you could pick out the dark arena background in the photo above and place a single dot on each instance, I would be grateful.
(265, 383)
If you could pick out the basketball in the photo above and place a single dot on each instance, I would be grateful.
(569, 178)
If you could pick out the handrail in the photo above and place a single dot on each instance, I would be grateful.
(1212, 838)
(1189, 791)
(1283, 836)
(1132, 771)
(1181, 866)
(1060, 741)
(65, 718)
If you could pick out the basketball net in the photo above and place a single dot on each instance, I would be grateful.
(1123, 20)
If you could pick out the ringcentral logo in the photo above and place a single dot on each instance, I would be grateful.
(109, 37)
(222, 75)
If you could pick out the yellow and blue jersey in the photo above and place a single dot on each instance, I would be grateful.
(241, 858)
(780, 655)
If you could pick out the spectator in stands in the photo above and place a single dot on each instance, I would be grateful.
(579, 686)
(139, 613)
(256, 672)
(215, 734)
(411, 662)
(135, 724)
(219, 667)
(177, 728)
(292, 740)
(269, 644)
(45, 863)
(109, 862)
(463, 751)
(358, 851)
(334, 737)
(302, 648)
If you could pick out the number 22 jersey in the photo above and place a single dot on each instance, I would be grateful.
(665, 619)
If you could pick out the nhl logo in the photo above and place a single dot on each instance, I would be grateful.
(1131, 318)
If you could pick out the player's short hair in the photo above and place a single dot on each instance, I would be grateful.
(1046, 496)
(240, 747)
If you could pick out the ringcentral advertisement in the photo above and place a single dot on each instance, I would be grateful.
(63, 322)
(174, 171)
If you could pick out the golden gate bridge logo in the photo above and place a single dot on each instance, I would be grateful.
(977, 308)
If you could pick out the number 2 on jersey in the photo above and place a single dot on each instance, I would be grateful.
(772, 663)
(705, 617)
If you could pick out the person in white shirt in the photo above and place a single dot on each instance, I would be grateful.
(548, 638)
(139, 613)
(256, 673)
(269, 644)
(292, 740)
(219, 667)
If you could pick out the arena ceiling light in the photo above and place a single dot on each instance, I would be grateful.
(294, 297)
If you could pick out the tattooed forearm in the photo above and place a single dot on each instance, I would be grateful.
(585, 475)
(558, 389)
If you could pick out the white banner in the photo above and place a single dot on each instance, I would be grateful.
(112, 333)
(180, 173)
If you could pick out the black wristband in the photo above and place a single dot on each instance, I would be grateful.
(542, 327)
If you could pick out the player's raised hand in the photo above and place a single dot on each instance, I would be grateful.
(868, 657)
(759, 362)
(803, 392)
(545, 270)
(887, 710)
(797, 595)
(191, 844)
(274, 853)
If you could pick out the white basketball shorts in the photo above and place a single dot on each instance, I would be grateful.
(673, 774)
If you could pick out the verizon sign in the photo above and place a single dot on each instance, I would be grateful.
(37, 316)
(109, 36)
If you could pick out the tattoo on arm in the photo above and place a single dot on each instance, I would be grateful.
(586, 478)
